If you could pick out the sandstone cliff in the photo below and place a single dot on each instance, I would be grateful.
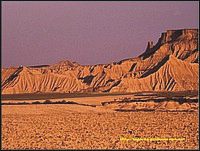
(169, 65)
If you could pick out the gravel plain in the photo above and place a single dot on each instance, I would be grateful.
(60, 126)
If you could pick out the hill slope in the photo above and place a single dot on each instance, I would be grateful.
(169, 65)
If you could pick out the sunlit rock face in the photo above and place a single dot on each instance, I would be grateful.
(169, 65)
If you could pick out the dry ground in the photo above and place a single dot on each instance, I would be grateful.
(94, 100)
(68, 126)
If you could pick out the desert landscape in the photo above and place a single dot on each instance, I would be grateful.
(98, 122)
(100, 75)
(82, 127)
(73, 106)
(169, 65)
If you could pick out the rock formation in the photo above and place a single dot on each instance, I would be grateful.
(169, 65)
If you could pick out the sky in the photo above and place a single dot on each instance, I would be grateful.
(37, 33)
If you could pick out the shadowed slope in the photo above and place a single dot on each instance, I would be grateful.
(170, 65)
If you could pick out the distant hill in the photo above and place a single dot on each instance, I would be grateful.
(169, 65)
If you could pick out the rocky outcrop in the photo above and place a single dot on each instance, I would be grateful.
(172, 75)
(180, 43)
(169, 65)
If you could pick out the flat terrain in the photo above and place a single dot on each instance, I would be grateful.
(98, 121)
(94, 100)
(65, 126)
(40, 96)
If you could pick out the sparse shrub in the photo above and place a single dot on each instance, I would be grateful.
(36, 102)
(71, 102)
(22, 103)
(63, 102)
(47, 102)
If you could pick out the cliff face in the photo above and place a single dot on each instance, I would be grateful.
(169, 65)
(180, 43)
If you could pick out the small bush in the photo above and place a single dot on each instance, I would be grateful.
(71, 102)
(47, 102)
(63, 102)
(22, 103)
(36, 102)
